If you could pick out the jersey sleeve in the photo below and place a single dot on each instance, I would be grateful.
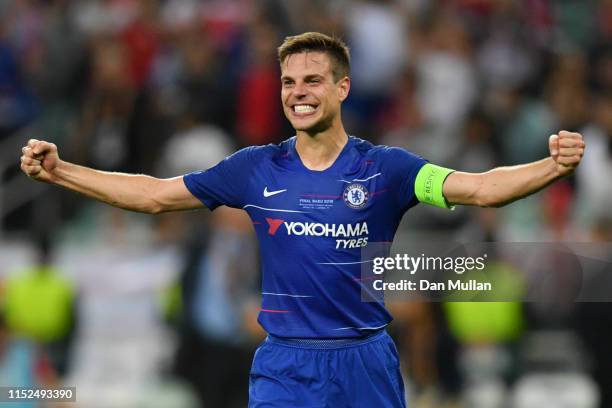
(223, 184)
(404, 167)
(417, 180)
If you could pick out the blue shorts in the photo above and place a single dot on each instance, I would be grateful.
(347, 373)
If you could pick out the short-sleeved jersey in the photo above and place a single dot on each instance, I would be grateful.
(312, 227)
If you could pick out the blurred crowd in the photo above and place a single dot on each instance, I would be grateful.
(126, 307)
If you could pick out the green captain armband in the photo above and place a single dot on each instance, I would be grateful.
(428, 185)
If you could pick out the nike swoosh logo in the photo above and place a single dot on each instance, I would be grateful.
(271, 193)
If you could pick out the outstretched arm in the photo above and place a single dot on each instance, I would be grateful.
(504, 185)
(135, 192)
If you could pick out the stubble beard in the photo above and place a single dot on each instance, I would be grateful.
(318, 127)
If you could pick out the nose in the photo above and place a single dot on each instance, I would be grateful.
(299, 90)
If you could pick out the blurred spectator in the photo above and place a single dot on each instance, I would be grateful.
(563, 107)
(141, 41)
(505, 58)
(190, 73)
(122, 348)
(376, 59)
(312, 15)
(601, 68)
(18, 105)
(594, 198)
(195, 146)
(401, 119)
(447, 87)
(413, 329)
(220, 294)
(574, 28)
(259, 111)
(594, 319)
(603, 16)
(389, 47)
(103, 135)
(557, 211)
(224, 19)
(539, 17)
(40, 306)
(100, 17)
(486, 333)
(16, 366)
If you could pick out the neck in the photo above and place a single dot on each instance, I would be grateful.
(320, 150)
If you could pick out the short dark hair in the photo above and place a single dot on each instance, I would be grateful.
(312, 41)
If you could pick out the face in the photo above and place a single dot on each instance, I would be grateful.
(311, 98)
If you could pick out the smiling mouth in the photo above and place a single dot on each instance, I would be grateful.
(304, 109)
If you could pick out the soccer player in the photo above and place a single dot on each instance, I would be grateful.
(316, 200)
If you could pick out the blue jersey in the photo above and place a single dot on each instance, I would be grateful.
(312, 226)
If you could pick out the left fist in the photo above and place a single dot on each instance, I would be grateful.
(566, 149)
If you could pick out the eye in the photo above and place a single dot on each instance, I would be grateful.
(287, 84)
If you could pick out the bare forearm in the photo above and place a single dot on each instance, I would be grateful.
(504, 185)
(501, 185)
(133, 192)
(40, 161)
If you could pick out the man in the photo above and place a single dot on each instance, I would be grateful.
(315, 200)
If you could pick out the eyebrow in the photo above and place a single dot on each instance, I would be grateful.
(314, 76)
(306, 78)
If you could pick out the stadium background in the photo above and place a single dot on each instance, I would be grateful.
(142, 311)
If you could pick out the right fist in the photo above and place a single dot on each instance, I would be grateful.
(39, 159)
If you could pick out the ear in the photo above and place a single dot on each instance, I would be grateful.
(344, 86)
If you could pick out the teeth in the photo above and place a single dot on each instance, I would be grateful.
(303, 108)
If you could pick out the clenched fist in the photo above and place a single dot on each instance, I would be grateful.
(39, 159)
(566, 149)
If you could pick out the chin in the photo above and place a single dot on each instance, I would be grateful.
(311, 130)
(318, 126)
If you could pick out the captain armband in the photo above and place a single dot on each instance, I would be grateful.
(428, 185)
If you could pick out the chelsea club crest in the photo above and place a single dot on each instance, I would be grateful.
(355, 196)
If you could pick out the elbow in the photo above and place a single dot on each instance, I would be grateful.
(155, 209)
(494, 204)
(156, 205)
(157, 202)
(144, 208)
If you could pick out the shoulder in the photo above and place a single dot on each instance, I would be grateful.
(387, 154)
(259, 152)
